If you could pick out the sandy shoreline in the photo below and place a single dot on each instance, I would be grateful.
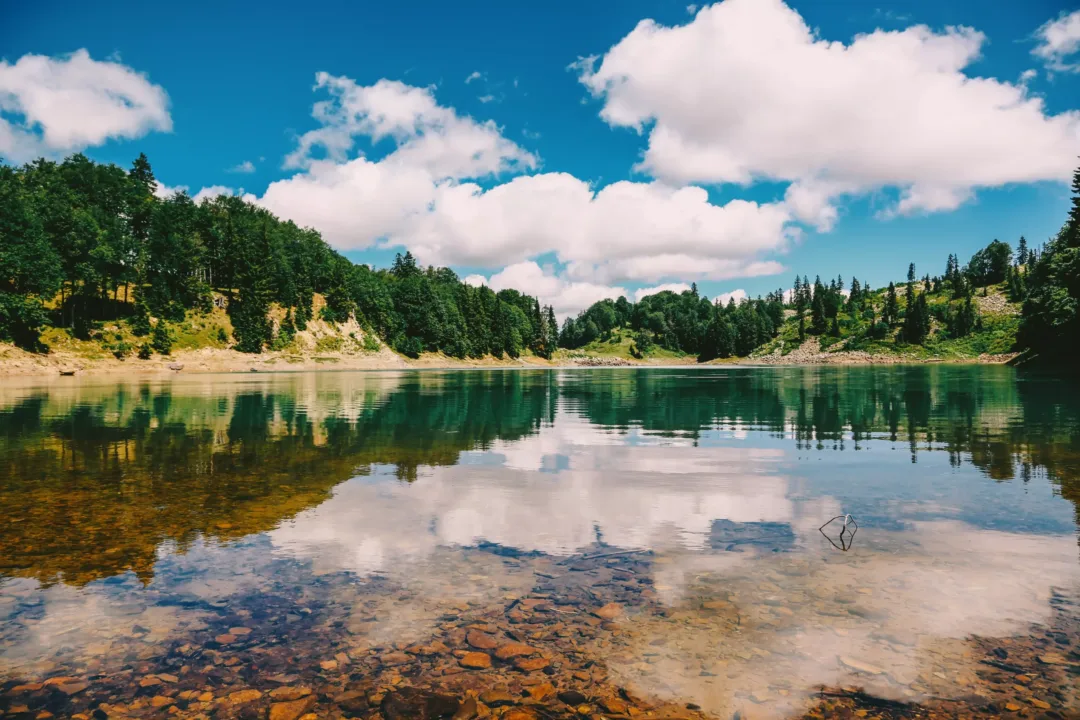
(16, 362)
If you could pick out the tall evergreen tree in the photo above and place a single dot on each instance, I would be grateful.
(251, 322)
(553, 330)
(917, 320)
(891, 312)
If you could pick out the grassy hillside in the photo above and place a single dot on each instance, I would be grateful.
(998, 320)
(620, 345)
(207, 338)
(994, 334)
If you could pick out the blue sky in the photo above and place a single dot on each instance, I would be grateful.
(240, 84)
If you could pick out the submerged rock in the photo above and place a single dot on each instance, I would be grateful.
(291, 709)
(481, 640)
(513, 650)
(415, 704)
(497, 698)
(476, 660)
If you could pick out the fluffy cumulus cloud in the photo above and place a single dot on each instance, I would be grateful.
(166, 191)
(429, 136)
(426, 194)
(55, 105)
(213, 191)
(737, 295)
(744, 91)
(747, 91)
(207, 193)
(625, 231)
(1059, 43)
(566, 297)
(670, 287)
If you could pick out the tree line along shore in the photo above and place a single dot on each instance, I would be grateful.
(99, 271)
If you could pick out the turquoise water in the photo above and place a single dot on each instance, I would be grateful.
(354, 529)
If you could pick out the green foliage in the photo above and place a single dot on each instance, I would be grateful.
(140, 320)
(962, 318)
(818, 318)
(989, 265)
(145, 352)
(891, 312)
(1051, 310)
(916, 319)
(30, 270)
(161, 339)
(120, 349)
(20, 320)
(95, 242)
(286, 332)
(1014, 281)
(251, 324)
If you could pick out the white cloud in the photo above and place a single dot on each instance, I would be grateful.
(474, 75)
(164, 191)
(212, 192)
(419, 196)
(1058, 40)
(352, 204)
(429, 136)
(566, 297)
(475, 280)
(57, 105)
(672, 287)
(245, 167)
(486, 98)
(625, 231)
(747, 91)
(737, 295)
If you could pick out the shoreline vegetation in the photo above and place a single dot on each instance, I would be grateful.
(100, 274)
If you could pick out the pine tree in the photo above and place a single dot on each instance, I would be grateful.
(404, 266)
(818, 321)
(1071, 231)
(161, 339)
(140, 320)
(911, 273)
(287, 330)
(917, 320)
(891, 312)
(1022, 251)
(251, 326)
(553, 331)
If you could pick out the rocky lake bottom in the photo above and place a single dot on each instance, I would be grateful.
(586, 544)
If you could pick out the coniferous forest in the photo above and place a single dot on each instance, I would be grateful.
(84, 243)
(921, 310)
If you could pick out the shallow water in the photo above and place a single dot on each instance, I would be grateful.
(397, 544)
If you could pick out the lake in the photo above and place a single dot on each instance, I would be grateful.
(542, 544)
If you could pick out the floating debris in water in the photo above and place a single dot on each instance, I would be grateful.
(847, 534)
